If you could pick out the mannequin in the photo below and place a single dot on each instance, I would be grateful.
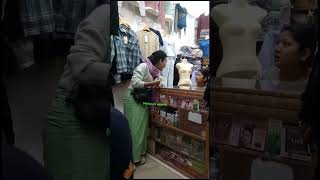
(185, 70)
(239, 25)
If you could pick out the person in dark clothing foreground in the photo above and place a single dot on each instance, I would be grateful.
(121, 147)
(309, 114)
(18, 165)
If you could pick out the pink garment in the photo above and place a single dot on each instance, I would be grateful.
(158, 5)
(203, 23)
(154, 71)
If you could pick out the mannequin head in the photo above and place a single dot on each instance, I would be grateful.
(202, 77)
(159, 59)
(294, 51)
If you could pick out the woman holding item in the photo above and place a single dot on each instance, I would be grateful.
(145, 75)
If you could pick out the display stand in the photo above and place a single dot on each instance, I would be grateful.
(233, 106)
(181, 140)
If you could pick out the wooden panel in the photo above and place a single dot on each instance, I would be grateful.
(257, 100)
(259, 112)
(238, 166)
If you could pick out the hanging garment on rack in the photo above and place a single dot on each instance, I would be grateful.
(266, 55)
(169, 47)
(158, 34)
(180, 18)
(168, 72)
(148, 42)
(126, 48)
(159, 6)
(204, 46)
(142, 8)
(55, 16)
(203, 23)
(279, 13)
(169, 8)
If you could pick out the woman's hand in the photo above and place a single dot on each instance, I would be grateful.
(156, 82)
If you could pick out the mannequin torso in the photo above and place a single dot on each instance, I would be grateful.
(239, 27)
(185, 70)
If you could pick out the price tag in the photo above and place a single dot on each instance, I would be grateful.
(146, 38)
(189, 163)
(125, 39)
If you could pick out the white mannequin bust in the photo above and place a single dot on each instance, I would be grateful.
(239, 25)
(185, 70)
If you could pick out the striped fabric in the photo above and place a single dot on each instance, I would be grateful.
(48, 16)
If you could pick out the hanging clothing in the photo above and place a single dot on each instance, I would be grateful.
(203, 23)
(142, 8)
(39, 17)
(169, 8)
(180, 18)
(148, 42)
(127, 49)
(158, 34)
(278, 14)
(169, 47)
(205, 47)
(168, 72)
(266, 55)
(159, 6)
(193, 78)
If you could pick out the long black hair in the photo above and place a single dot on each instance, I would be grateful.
(157, 56)
(310, 99)
(206, 74)
(305, 35)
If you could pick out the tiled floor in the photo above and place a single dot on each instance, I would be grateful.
(31, 94)
(154, 170)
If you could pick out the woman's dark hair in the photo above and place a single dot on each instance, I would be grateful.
(306, 36)
(157, 56)
(206, 74)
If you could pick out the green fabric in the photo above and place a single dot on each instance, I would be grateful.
(138, 117)
(71, 152)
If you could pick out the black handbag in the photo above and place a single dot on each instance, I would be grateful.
(142, 94)
(92, 106)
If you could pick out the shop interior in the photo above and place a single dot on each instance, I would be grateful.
(38, 40)
(175, 150)
(255, 130)
(255, 124)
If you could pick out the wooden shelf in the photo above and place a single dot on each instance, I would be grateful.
(263, 155)
(206, 113)
(189, 156)
(178, 169)
(197, 137)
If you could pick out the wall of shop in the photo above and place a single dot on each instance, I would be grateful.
(131, 13)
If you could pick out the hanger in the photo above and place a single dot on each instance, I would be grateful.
(146, 28)
(124, 22)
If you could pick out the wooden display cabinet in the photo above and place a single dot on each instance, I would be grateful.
(183, 144)
(258, 102)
